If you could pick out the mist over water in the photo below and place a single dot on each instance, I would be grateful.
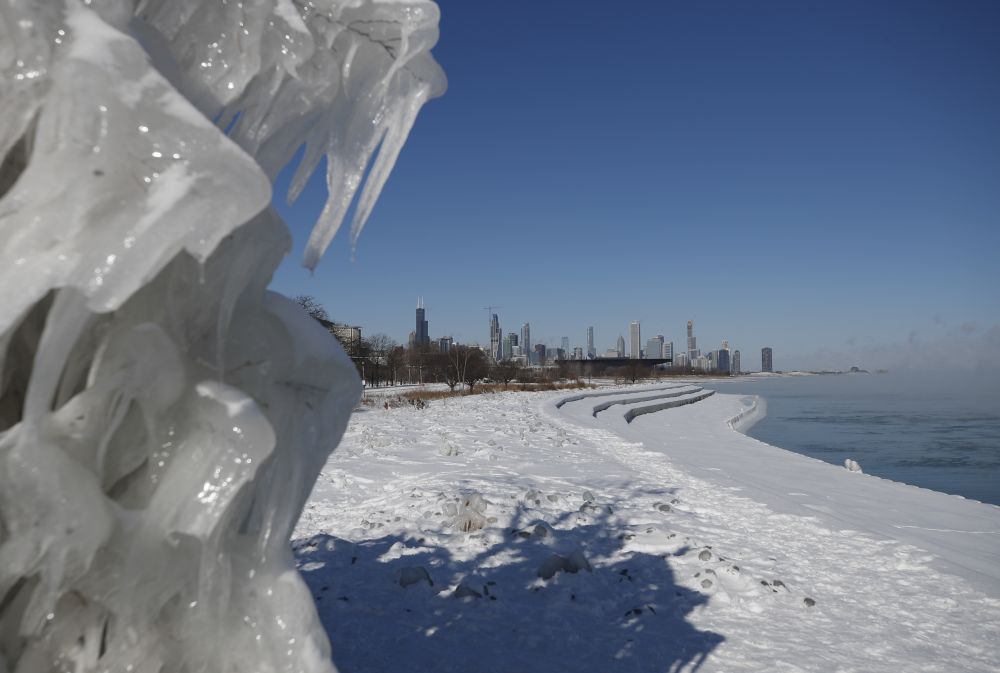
(935, 430)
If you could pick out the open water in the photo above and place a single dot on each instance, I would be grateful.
(938, 431)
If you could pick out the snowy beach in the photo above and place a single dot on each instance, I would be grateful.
(538, 532)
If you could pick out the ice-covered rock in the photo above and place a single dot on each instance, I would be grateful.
(551, 566)
(574, 563)
(163, 416)
(411, 575)
(465, 590)
(852, 465)
(470, 514)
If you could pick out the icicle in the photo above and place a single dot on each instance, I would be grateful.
(293, 93)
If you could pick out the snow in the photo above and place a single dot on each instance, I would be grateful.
(704, 547)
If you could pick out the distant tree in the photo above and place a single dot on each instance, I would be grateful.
(423, 359)
(312, 306)
(466, 364)
(458, 358)
(395, 359)
(360, 354)
(379, 348)
(444, 368)
(634, 370)
(506, 371)
(476, 367)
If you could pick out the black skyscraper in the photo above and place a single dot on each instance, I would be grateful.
(421, 339)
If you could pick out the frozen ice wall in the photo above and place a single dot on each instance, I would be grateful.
(163, 416)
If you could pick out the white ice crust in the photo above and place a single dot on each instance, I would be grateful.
(163, 416)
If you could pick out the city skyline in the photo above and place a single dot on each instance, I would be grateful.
(957, 342)
(513, 345)
(844, 173)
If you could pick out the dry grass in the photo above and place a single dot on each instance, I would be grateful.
(491, 388)
(419, 398)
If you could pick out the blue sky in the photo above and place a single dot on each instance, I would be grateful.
(822, 178)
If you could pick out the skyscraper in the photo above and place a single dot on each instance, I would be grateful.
(654, 347)
(634, 336)
(693, 351)
(620, 346)
(591, 351)
(420, 338)
(509, 342)
(496, 354)
(668, 350)
(526, 339)
(766, 360)
(565, 344)
(736, 362)
(724, 362)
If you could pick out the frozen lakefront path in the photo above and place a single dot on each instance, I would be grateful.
(701, 553)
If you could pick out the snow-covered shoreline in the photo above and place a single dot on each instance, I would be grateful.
(703, 545)
(962, 533)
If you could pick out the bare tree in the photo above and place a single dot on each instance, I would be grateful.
(506, 371)
(379, 347)
(458, 359)
(634, 370)
(476, 368)
(312, 306)
(445, 367)
(394, 360)
(467, 364)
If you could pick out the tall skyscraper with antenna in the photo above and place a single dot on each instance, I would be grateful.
(420, 333)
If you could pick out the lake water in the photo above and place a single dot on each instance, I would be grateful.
(938, 431)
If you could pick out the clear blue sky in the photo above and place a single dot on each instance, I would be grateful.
(822, 178)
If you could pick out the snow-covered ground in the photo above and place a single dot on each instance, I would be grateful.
(669, 542)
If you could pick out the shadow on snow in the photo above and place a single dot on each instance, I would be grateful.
(627, 615)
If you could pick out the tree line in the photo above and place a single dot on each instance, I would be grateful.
(381, 361)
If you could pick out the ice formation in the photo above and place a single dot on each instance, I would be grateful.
(852, 465)
(163, 416)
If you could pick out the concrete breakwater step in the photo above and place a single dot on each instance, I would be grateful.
(632, 414)
(584, 396)
(677, 392)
